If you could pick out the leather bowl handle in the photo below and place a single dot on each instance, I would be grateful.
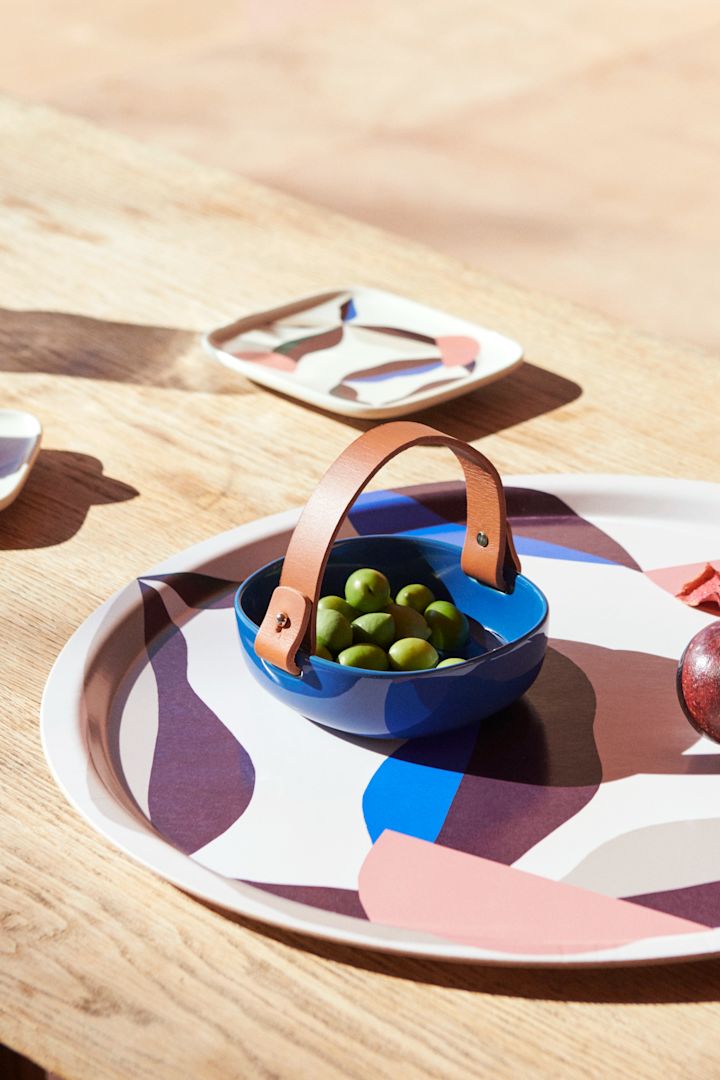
(488, 553)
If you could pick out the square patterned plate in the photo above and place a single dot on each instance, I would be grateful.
(363, 352)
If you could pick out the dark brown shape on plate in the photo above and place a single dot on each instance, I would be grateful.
(698, 681)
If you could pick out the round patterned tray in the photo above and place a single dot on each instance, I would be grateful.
(580, 826)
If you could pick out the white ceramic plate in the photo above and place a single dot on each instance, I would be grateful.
(580, 827)
(363, 352)
(20, 436)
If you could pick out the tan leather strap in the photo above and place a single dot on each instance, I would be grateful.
(488, 553)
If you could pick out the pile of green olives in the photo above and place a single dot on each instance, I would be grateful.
(367, 629)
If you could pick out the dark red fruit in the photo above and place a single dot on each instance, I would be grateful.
(698, 681)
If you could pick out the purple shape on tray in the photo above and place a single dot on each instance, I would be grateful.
(534, 515)
(340, 901)
(700, 903)
(199, 590)
(202, 779)
(534, 766)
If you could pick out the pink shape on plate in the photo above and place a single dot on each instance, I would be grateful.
(422, 886)
(456, 351)
(269, 359)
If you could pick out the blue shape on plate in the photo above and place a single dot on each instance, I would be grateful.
(449, 531)
(421, 368)
(349, 310)
(389, 512)
(452, 533)
(528, 545)
(413, 790)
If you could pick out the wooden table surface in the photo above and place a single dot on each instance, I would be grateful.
(114, 256)
(572, 146)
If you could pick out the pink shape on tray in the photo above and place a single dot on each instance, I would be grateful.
(269, 359)
(674, 579)
(422, 886)
(457, 350)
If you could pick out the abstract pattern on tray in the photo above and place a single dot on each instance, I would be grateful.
(337, 347)
(585, 816)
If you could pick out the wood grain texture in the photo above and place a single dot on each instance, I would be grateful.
(114, 255)
(571, 146)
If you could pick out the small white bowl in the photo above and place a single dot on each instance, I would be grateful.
(20, 436)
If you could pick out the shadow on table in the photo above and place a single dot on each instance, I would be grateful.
(53, 505)
(525, 393)
(15, 1067)
(656, 984)
(57, 343)
(65, 344)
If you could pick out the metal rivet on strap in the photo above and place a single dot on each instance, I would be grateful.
(282, 619)
(482, 539)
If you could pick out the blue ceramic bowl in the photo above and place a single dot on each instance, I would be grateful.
(502, 660)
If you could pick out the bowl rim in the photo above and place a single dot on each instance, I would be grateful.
(368, 672)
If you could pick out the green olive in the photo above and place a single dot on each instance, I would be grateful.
(371, 657)
(450, 661)
(408, 622)
(449, 629)
(375, 628)
(336, 603)
(333, 630)
(367, 590)
(416, 597)
(320, 650)
(412, 654)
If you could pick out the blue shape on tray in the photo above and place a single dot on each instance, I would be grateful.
(413, 790)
